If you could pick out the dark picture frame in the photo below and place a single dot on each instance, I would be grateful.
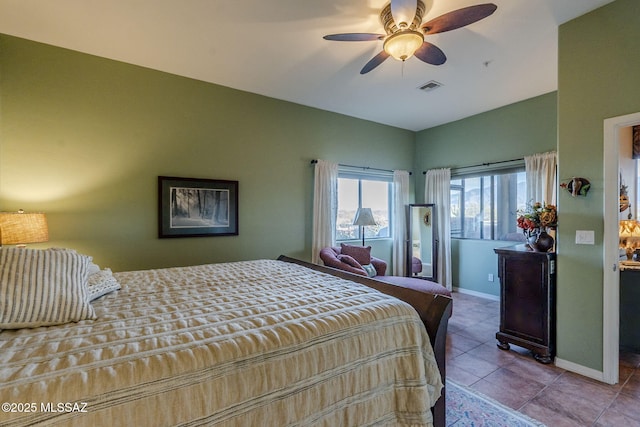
(636, 142)
(197, 207)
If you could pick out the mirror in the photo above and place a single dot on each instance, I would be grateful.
(422, 242)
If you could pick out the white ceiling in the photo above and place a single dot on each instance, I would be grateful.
(275, 48)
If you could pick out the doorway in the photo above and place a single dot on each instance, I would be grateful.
(611, 277)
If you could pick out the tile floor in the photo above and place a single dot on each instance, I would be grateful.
(547, 393)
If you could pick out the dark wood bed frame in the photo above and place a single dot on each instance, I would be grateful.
(434, 310)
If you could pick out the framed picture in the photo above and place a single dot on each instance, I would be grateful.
(636, 142)
(192, 207)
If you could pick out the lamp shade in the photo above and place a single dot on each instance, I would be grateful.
(626, 228)
(19, 228)
(629, 228)
(403, 44)
(364, 217)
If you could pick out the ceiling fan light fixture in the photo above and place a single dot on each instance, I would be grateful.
(403, 44)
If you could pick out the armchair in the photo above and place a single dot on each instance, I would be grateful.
(333, 257)
(352, 258)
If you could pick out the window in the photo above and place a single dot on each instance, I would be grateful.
(485, 206)
(359, 190)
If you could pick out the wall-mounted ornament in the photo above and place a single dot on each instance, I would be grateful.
(427, 218)
(624, 198)
(577, 186)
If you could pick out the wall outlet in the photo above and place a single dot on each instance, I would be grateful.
(585, 237)
(490, 277)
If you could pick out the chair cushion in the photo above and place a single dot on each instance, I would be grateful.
(359, 253)
(332, 257)
(349, 260)
(416, 284)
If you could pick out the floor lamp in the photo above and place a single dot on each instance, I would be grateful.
(364, 217)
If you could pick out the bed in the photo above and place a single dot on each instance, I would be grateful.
(265, 342)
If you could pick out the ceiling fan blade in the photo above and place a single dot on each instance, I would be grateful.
(459, 18)
(403, 11)
(354, 37)
(431, 54)
(374, 62)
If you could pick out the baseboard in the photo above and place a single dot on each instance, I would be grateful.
(579, 369)
(560, 363)
(477, 294)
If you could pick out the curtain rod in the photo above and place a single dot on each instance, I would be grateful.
(483, 164)
(314, 161)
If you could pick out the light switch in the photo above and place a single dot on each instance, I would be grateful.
(585, 237)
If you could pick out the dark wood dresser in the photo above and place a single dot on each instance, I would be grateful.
(629, 313)
(527, 300)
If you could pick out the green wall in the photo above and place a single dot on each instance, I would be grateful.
(599, 59)
(510, 132)
(598, 78)
(84, 139)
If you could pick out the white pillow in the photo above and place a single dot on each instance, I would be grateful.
(93, 269)
(370, 269)
(101, 283)
(43, 287)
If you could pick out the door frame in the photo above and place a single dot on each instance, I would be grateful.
(611, 275)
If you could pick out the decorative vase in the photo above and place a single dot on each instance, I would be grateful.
(530, 235)
(540, 241)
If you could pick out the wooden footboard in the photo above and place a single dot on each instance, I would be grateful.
(434, 310)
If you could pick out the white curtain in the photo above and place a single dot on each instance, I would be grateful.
(541, 177)
(325, 207)
(437, 190)
(400, 202)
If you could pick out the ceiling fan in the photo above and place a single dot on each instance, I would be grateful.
(402, 21)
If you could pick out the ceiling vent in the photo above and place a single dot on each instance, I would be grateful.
(429, 86)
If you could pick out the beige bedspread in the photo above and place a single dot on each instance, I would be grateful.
(255, 343)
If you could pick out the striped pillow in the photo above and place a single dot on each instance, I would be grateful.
(42, 288)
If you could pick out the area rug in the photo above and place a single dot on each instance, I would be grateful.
(468, 408)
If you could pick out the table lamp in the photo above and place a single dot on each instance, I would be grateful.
(629, 236)
(20, 228)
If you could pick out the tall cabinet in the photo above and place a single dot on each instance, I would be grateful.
(527, 300)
